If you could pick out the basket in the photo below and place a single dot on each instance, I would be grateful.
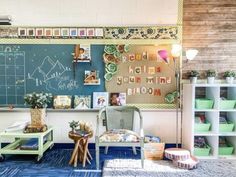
(38, 117)
(204, 127)
(204, 103)
(227, 104)
(202, 151)
(226, 150)
(227, 127)
(154, 151)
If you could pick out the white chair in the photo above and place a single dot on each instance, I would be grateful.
(120, 123)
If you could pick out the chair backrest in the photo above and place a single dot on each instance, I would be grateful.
(120, 117)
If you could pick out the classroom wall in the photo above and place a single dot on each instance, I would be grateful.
(210, 27)
(158, 123)
(90, 12)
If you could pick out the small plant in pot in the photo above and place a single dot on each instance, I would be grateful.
(73, 125)
(38, 103)
(193, 76)
(211, 74)
(229, 76)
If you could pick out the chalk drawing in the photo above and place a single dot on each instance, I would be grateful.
(54, 75)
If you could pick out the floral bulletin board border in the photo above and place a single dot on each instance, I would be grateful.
(155, 32)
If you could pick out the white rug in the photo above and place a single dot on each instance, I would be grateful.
(131, 167)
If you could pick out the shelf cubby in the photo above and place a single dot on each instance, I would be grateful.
(214, 92)
(211, 93)
(212, 143)
(211, 118)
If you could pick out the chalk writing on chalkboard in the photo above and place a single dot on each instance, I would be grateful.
(54, 75)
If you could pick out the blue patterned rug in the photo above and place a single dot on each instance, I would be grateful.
(55, 164)
(164, 168)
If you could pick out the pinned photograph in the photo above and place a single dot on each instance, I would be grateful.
(22, 32)
(39, 33)
(131, 57)
(100, 99)
(91, 77)
(117, 99)
(162, 80)
(82, 53)
(48, 32)
(151, 70)
(82, 33)
(65, 33)
(30, 32)
(56, 32)
(82, 102)
(73, 33)
(119, 80)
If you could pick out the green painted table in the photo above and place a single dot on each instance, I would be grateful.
(45, 141)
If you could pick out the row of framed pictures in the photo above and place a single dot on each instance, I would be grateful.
(60, 33)
(100, 99)
(158, 32)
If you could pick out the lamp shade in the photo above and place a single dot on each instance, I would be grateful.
(176, 50)
(191, 54)
(163, 55)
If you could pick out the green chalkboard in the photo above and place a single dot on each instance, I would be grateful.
(35, 68)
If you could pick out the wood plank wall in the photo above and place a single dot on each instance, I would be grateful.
(210, 27)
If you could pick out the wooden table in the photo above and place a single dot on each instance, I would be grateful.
(80, 151)
(45, 141)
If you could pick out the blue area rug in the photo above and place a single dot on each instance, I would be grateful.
(55, 163)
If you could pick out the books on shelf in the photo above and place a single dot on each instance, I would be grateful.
(31, 144)
(100, 99)
(82, 102)
(117, 99)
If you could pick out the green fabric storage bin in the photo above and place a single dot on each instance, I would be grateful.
(204, 127)
(226, 150)
(226, 127)
(204, 103)
(227, 104)
(202, 151)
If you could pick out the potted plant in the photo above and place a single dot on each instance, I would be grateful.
(38, 103)
(211, 74)
(229, 76)
(193, 76)
(73, 125)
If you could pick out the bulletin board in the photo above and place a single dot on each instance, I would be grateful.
(143, 76)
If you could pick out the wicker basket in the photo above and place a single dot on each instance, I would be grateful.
(38, 117)
(154, 151)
